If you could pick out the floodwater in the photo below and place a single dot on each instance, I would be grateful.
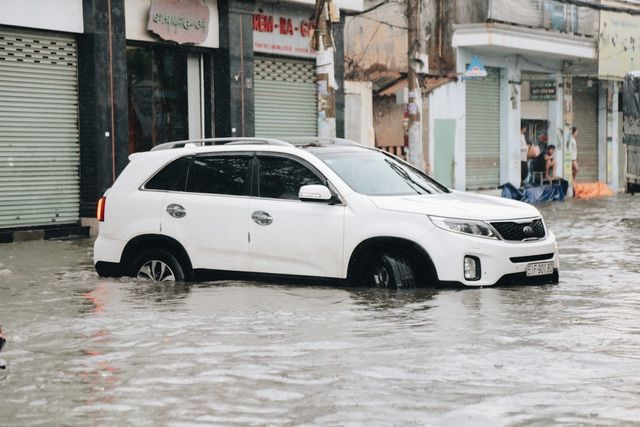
(88, 351)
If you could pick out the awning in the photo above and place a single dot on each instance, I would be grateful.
(503, 39)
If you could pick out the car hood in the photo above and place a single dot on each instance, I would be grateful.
(458, 205)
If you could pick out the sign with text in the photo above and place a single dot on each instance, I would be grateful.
(542, 90)
(283, 31)
(618, 45)
(181, 21)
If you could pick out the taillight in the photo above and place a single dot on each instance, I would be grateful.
(100, 211)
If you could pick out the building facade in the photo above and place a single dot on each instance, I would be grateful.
(85, 83)
(542, 71)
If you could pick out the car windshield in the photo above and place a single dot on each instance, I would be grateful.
(376, 174)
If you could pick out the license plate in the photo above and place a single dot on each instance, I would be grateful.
(540, 269)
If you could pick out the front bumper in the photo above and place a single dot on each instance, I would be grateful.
(497, 266)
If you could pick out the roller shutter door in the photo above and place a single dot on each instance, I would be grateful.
(622, 154)
(585, 118)
(39, 152)
(483, 131)
(285, 98)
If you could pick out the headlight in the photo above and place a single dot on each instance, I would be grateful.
(465, 226)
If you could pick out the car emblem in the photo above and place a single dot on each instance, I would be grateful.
(527, 230)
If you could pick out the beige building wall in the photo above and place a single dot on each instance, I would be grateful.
(377, 40)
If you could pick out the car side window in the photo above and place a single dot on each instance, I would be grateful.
(282, 177)
(173, 177)
(225, 174)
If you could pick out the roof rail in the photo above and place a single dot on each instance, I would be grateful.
(317, 141)
(220, 141)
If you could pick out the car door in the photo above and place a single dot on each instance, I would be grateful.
(210, 217)
(289, 236)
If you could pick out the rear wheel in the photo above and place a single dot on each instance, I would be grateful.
(158, 266)
(390, 271)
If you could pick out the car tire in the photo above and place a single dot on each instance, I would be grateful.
(157, 265)
(390, 271)
(107, 270)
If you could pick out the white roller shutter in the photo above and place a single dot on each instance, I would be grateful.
(39, 151)
(483, 131)
(285, 98)
(585, 118)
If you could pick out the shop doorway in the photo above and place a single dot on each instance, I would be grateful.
(537, 131)
(165, 96)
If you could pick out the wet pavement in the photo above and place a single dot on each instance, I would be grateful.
(89, 351)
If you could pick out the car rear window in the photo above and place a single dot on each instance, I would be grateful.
(172, 177)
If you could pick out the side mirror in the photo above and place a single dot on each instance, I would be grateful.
(314, 193)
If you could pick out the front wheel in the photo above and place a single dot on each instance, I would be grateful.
(390, 271)
(158, 266)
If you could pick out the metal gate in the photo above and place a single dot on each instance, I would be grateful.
(39, 152)
(622, 154)
(585, 118)
(483, 131)
(285, 98)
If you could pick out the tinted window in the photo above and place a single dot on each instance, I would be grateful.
(281, 178)
(220, 175)
(172, 177)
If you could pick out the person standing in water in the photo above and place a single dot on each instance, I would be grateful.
(573, 151)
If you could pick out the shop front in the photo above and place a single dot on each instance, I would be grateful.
(169, 52)
(539, 93)
(39, 135)
(285, 92)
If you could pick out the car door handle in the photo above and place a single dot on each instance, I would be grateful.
(261, 218)
(176, 211)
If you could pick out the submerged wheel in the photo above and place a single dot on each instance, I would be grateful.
(391, 271)
(158, 266)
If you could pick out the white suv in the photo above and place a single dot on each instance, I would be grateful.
(311, 207)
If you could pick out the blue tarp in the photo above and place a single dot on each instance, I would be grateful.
(535, 194)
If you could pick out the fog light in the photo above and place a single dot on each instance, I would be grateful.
(471, 268)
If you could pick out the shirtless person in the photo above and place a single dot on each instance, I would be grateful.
(550, 163)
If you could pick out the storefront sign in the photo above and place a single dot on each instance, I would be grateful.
(542, 90)
(618, 45)
(283, 31)
(181, 21)
(475, 70)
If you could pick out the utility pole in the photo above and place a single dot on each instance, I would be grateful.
(326, 12)
(414, 104)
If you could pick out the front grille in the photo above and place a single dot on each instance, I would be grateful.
(515, 231)
(531, 258)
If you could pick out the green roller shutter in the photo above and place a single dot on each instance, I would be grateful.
(39, 152)
(585, 118)
(285, 98)
(483, 131)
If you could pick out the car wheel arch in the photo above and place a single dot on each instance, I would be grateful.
(144, 242)
(417, 254)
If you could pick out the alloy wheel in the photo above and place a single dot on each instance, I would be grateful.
(157, 271)
(381, 277)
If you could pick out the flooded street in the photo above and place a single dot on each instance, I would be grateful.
(88, 351)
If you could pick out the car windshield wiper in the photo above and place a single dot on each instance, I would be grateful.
(404, 174)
